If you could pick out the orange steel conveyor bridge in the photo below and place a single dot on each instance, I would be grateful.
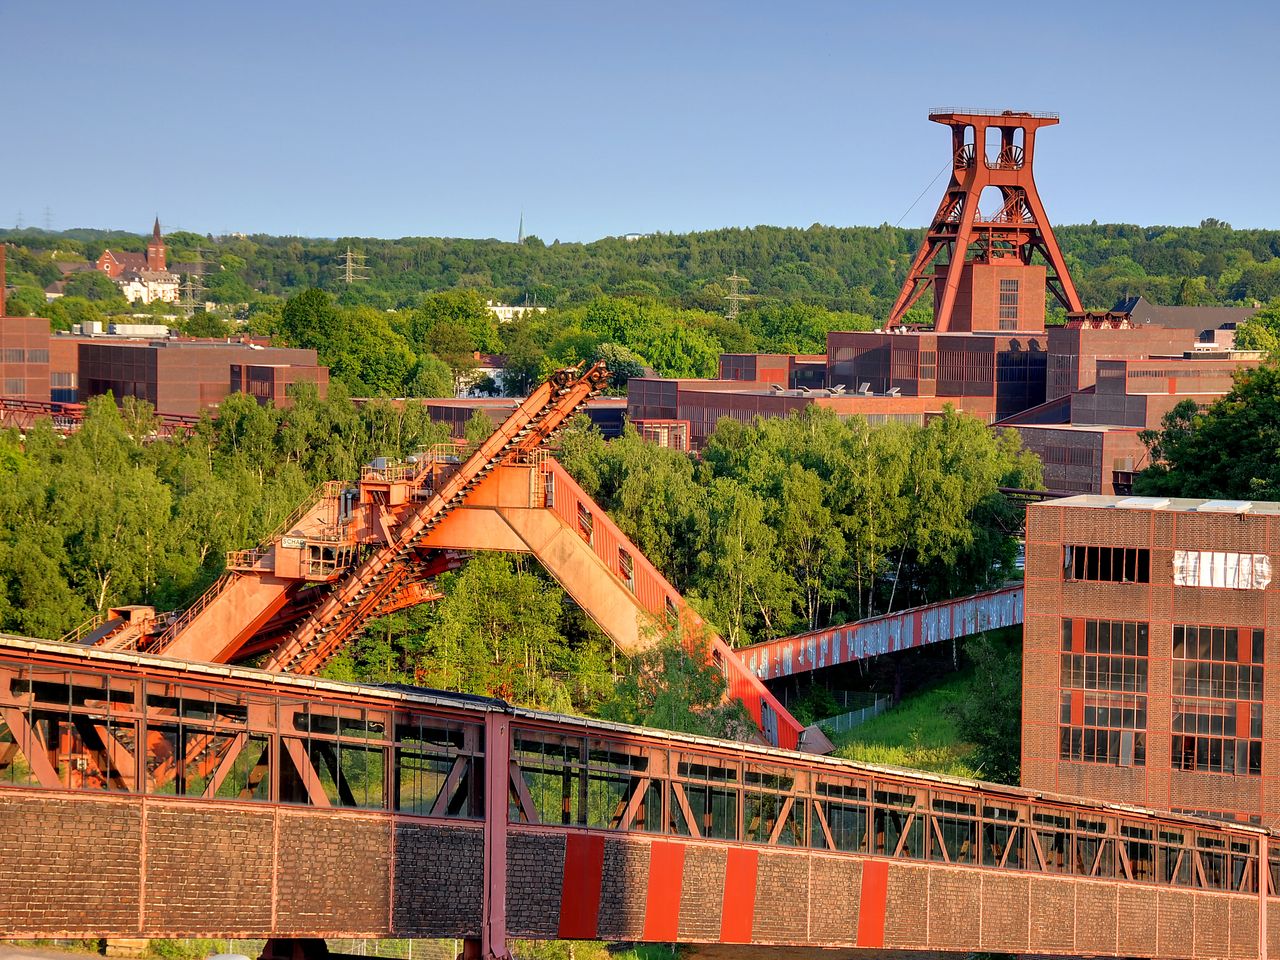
(345, 810)
(887, 633)
(350, 554)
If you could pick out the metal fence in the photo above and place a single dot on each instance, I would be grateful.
(847, 721)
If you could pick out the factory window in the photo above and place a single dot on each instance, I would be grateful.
(586, 523)
(37, 356)
(1102, 692)
(928, 364)
(13, 355)
(1217, 699)
(1106, 564)
(1008, 303)
(627, 569)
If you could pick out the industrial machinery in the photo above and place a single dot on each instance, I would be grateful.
(350, 554)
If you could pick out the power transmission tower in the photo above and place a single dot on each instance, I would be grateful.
(352, 265)
(192, 292)
(735, 297)
(48, 219)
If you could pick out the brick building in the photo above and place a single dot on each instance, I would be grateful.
(183, 376)
(142, 277)
(1074, 350)
(789, 370)
(1088, 440)
(703, 403)
(1002, 293)
(1150, 661)
(24, 351)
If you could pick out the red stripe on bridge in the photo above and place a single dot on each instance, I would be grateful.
(662, 904)
(580, 889)
(875, 889)
(738, 909)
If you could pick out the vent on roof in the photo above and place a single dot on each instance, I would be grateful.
(1225, 506)
(1142, 503)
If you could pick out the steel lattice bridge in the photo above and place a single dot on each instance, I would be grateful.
(144, 796)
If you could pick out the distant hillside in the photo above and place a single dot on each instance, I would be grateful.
(855, 269)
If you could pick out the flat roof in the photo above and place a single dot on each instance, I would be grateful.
(1073, 427)
(1171, 504)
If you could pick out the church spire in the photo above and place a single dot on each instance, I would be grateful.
(155, 249)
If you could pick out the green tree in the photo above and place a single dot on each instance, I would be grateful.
(668, 688)
(26, 302)
(96, 286)
(431, 378)
(990, 715)
(1230, 450)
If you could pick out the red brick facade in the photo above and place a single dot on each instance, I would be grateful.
(1188, 725)
(994, 296)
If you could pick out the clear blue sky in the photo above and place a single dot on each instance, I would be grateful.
(597, 118)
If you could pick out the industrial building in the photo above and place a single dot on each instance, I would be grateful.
(176, 376)
(1149, 642)
(1089, 440)
(990, 352)
(188, 376)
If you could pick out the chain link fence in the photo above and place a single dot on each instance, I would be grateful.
(847, 721)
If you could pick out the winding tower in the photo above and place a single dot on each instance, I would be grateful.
(984, 273)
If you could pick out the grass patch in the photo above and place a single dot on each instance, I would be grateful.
(918, 733)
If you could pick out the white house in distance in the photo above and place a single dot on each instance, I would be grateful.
(142, 277)
(506, 314)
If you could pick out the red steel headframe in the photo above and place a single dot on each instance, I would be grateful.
(1019, 229)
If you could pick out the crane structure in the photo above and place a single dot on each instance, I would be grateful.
(349, 554)
(989, 149)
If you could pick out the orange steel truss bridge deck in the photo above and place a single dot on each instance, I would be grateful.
(340, 810)
(348, 555)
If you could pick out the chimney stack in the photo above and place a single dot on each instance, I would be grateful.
(2, 280)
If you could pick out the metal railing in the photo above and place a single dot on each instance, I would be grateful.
(78, 633)
(250, 559)
(329, 488)
(183, 619)
(854, 718)
(994, 112)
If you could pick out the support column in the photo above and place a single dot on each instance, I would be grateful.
(497, 790)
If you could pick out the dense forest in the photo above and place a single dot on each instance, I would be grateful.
(848, 269)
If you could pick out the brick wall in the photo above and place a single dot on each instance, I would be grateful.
(802, 899)
(1160, 604)
(125, 866)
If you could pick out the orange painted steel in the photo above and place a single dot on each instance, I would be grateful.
(1014, 233)
(346, 556)
(355, 600)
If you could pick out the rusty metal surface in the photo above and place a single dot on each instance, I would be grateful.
(917, 627)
